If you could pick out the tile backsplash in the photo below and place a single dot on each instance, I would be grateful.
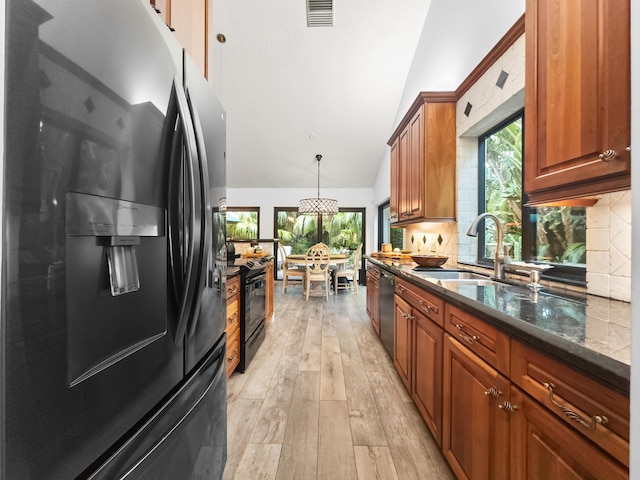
(609, 246)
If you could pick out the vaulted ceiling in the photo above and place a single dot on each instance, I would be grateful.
(292, 91)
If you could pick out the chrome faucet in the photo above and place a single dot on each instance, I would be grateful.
(498, 262)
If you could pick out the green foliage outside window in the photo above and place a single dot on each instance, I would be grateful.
(560, 232)
(242, 225)
(342, 232)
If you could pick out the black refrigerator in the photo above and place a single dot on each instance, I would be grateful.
(113, 259)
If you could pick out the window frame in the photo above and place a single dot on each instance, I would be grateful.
(250, 210)
(562, 273)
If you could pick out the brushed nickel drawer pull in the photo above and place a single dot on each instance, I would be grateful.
(470, 339)
(608, 155)
(601, 419)
(493, 392)
(401, 290)
(508, 407)
(428, 308)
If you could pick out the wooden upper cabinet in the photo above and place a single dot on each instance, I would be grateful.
(395, 171)
(577, 98)
(189, 21)
(423, 161)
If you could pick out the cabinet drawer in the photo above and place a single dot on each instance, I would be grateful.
(233, 352)
(599, 413)
(373, 270)
(233, 286)
(427, 303)
(480, 337)
(233, 314)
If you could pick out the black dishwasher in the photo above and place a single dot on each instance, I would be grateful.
(386, 310)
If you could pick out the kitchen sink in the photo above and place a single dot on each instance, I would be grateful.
(456, 275)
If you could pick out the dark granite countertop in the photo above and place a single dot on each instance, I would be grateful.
(589, 333)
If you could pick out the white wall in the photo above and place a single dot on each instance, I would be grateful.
(268, 198)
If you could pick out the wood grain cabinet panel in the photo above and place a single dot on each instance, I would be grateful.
(269, 287)
(577, 98)
(428, 304)
(475, 430)
(403, 324)
(544, 447)
(189, 21)
(418, 350)
(480, 337)
(426, 385)
(232, 328)
(578, 401)
(423, 161)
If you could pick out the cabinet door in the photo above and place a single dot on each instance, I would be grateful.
(189, 21)
(475, 430)
(404, 209)
(402, 341)
(394, 199)
(427, 372)
(577, 98)
(415, 163)
(543, 447)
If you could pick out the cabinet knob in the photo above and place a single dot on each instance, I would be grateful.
(493, 392)
(508, 407)
(608, 155)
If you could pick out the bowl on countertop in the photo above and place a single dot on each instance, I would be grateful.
(429, 260)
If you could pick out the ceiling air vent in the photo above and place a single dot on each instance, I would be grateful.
(319, 13)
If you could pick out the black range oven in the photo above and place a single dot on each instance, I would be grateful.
(253, 309)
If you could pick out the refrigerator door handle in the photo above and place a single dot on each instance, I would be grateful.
(191, 243)
(206, 211)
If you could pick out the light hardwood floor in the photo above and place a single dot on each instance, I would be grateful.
(321, 400)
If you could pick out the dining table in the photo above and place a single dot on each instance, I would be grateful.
(335, 258)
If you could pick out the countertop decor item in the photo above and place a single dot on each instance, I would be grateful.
(429, 260)
(318, 206)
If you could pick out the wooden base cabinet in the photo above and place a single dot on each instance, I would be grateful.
(475, 418)
(373, 296)
(233, 324)
(426, 387)
(403, 324)
(544, 447)
(269, 286)
(418, 337)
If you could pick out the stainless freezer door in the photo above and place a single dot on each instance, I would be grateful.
(186, 438)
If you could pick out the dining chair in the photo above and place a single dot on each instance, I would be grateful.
(317, 260)
(290, 271)
(349, 273)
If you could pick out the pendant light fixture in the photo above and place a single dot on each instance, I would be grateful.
(318, 206)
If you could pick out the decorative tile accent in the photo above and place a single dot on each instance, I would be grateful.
(502, 79)
(89, 105)
(467, 109)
